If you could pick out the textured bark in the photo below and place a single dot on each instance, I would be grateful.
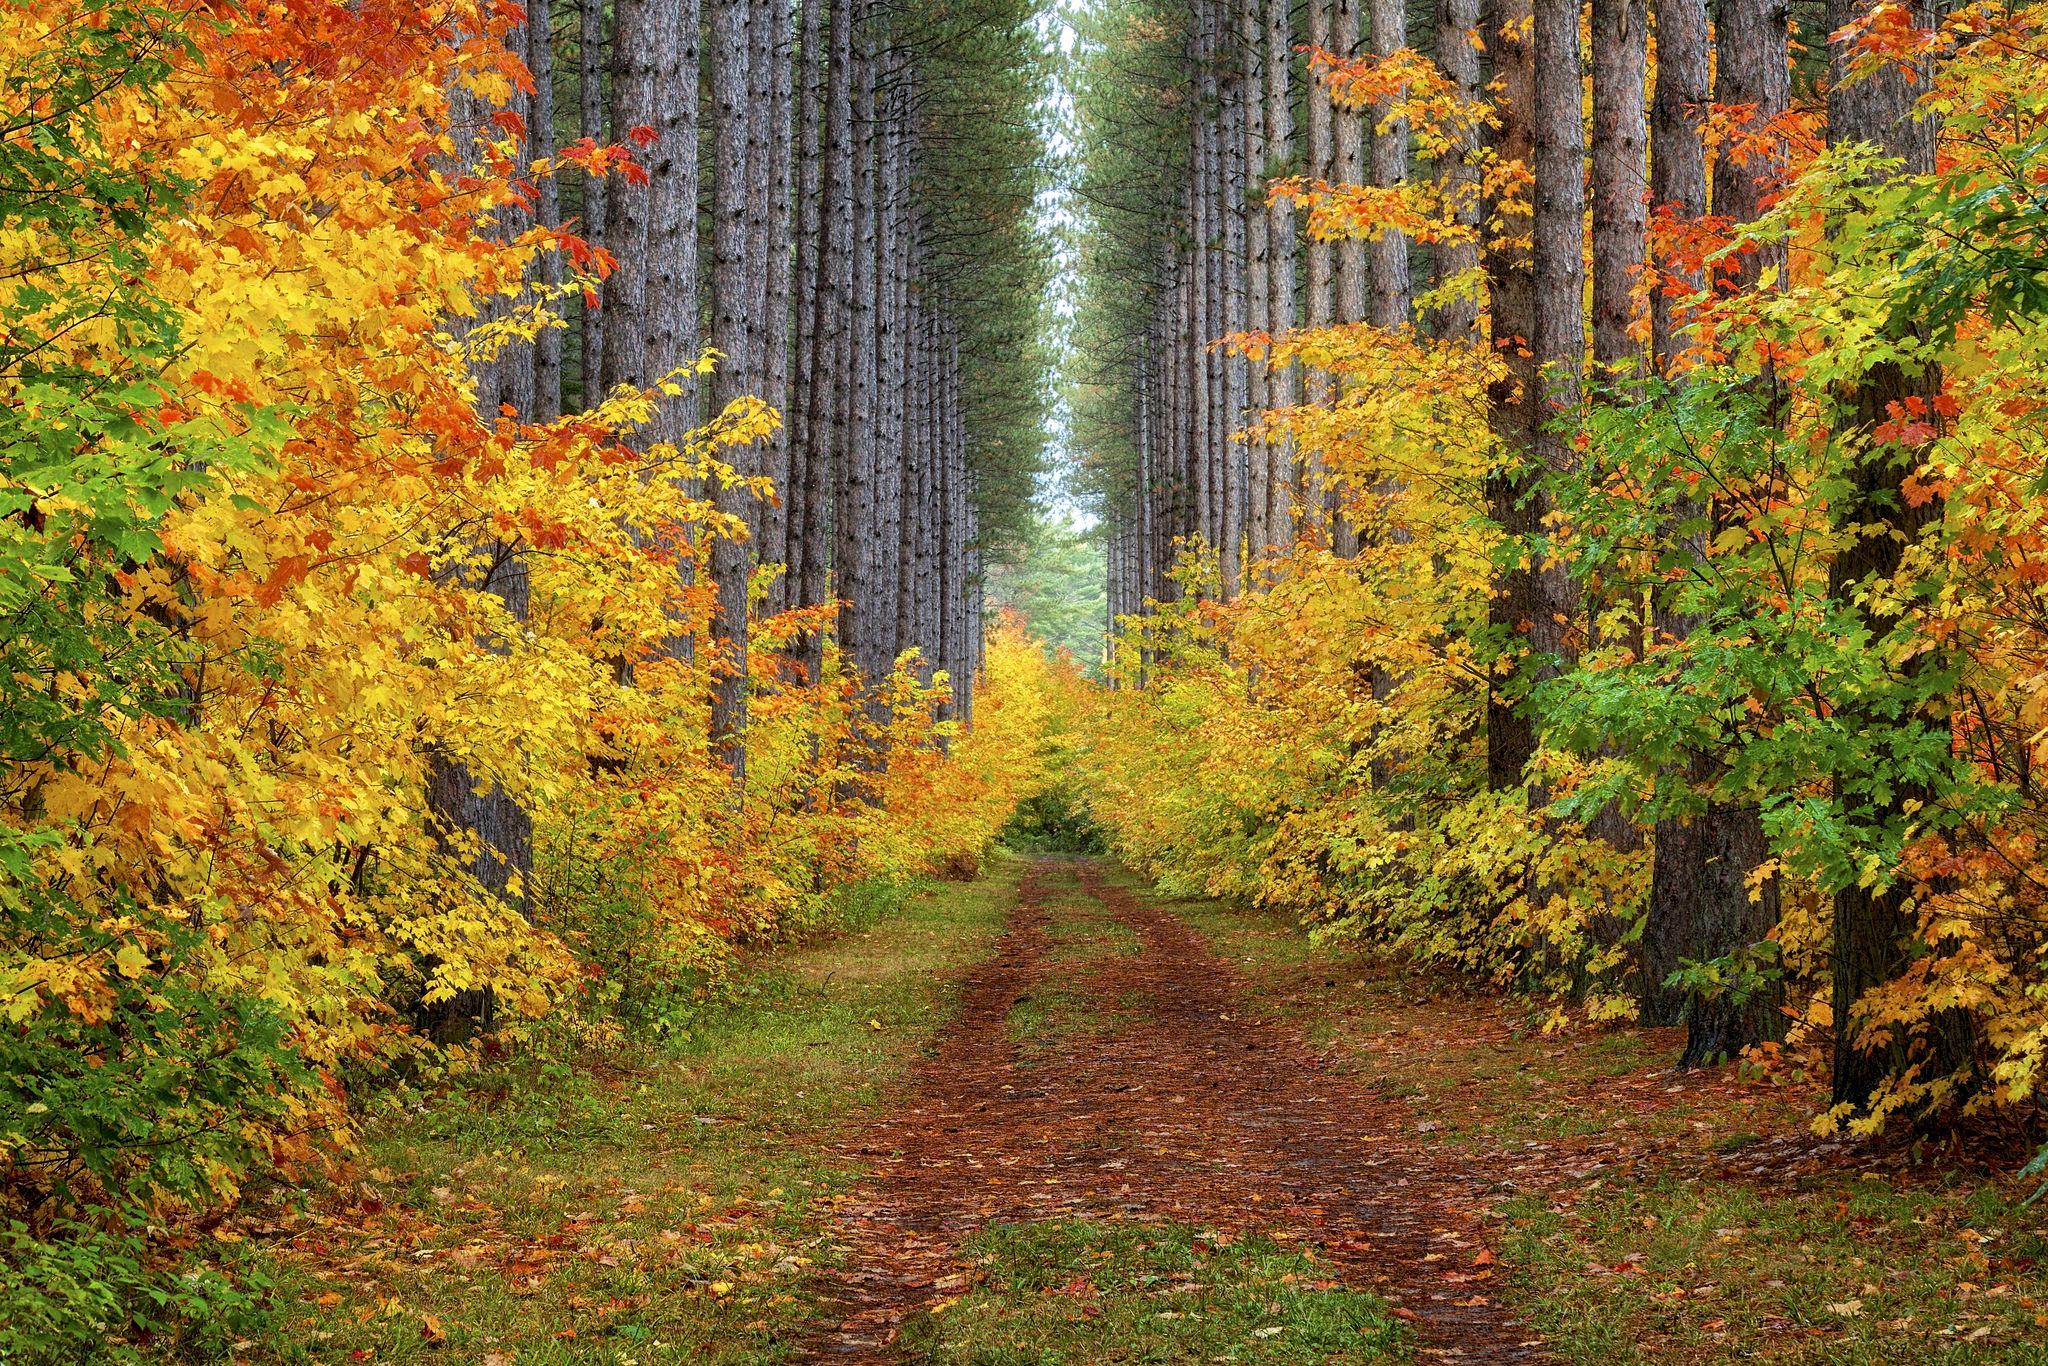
(774, 265)
(1678, 166)
(540, 60)
(590, 59)
(1258, 286)
(1348, 147)
(1387, 256)
(1752, 72)
(733, 295)
(1282, 249)
(1678, 187)
(628, 205)
(1700, 905)
(1620, 209)
(854, 505)
(1558, 248)
(1320, 307)
(889, 393)
(809, 372)
(1510, 738)
(1707, 911)
(1232, 169)
(1456, 22)
(825, 429)
(670, 267)
(1874, 929)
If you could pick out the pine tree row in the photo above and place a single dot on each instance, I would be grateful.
(1251, 175)
(819, 207)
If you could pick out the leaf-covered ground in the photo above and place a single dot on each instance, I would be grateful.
(677, 1208)
(1047, 1119)
(1647, 1215)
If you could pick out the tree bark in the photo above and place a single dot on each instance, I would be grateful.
(1678, 185)
(1875, 929)
(1387, 255)
(1620, 210)
(1510, 738)
(1457, 22)
(1558, 257)
(733, 295)
(590, 59)
(540, 60)
(1282, 252)
(628, 205)
(1258, 286)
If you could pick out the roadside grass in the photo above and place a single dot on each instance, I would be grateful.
(1649, 1215)
(1044, 1022)
(1077, 1293)
(1082, 929)
(665, 1209)
(1833, 1269)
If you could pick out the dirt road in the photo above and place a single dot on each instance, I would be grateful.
(1103, 1066)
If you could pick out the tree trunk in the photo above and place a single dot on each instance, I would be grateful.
(628, 205)
(1510, 738)
(774, 265)
(1232, 169)
(1457, 22)
(1700, 905)
(1620, 213)
(1281, 251)
(1875, 929)
(540, 60)
(1679, 877)
(1387, 257)
(1558, 257)
(590, 94)
(824, 427)
(670, 301)
(733, 295)
(1348, 139)
(1258, 289)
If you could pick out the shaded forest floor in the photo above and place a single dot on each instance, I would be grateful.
(1049, 1118)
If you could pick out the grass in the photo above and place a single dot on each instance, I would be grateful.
(1654, 1216)
(1044, 1022)
(1834, 1269)
(674, 1211)
(1049, 1294)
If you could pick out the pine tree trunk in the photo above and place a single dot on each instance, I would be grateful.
(806, 376)
(1558, 258)
(1387, 257)
(854, 506)
(1457, 23)
(1700, 904)
(590, 59)
(670, 301)
(540, 60)
(733, 295)
(1510, 738)
(1678, 185)
(1258, 286)
(1875, 929)
(629, 205)
(1281, 478)
(774, 265)
(1620, 215)
(1348, 139)
(1231, 172)
(825, 429)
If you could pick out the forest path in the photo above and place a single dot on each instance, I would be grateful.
(1104, 1068)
